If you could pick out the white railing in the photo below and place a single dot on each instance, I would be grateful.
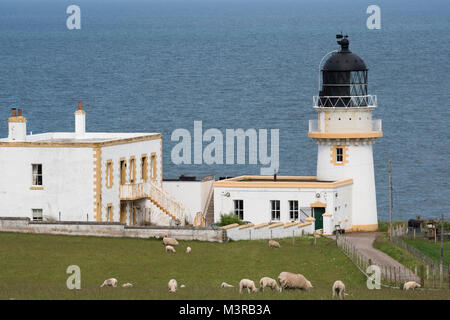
(345, 101)
(150, 189)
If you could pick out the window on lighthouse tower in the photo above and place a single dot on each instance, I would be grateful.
(339, 155)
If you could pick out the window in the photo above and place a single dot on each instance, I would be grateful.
(144, 168)
(275, 209)
(153, 166)
(37, 214)
(339, 155)
(109, 174)
(132, 170)
(37, 174)
(293, 210)
(123, 170)
(109, 213)
(239, 208)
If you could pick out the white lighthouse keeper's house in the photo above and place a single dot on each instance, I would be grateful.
(84, 176)
(343, 191)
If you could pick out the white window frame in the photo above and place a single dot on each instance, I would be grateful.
(275, 210)
(37, 218)
(239, 210)
(294, 210)
(37, 175)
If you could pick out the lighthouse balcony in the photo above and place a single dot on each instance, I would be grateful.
(345, 128)
(367, 101)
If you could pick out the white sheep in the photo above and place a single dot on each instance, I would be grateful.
(273, 244)
(226, 285)
(170, 241)
(161, 235)
(173, 285)
(411, 285)
(268, 282)
(111, 282)
(288, 280)
(170, 249)
(182, 286)
(188, 250)
(249, 284)
(127, 285)
(338, 289)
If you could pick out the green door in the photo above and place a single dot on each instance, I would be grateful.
(318, 212)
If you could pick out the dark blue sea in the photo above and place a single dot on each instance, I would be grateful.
(155, 66)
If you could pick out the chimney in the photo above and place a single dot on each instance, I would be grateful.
(80, 120)
(17, 126)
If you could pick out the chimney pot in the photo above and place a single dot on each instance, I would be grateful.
(20, 112)
(13, 112)
(80, 105)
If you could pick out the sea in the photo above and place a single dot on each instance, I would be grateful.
(158, 66)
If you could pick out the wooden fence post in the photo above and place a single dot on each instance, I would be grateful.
(422, 280)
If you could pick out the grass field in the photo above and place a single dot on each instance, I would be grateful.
(431, 249)
(34, 267)
(406, 258)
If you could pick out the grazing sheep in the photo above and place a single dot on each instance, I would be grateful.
(288, 280)
(249, 284)
(111, 282)
(173, 285)
(226, 285)
(268, 282)
(127, 285)
(161, 235)
(273, 244)
(338, 289)
(170, 249)
(170, 241)
(182, 286)
(188, 250)
(411, 285)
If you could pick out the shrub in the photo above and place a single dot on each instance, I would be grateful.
(230, 218)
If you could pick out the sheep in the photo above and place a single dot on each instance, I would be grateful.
(411, 285)
(182, 286)
(226, 285)
(188, 250)
(161, 235)
(268, 282)
(127, 285)
(170, 241)
(111, 282)
(173, 285)
(249, 284)
(273, 244)
(338, 289)
(288, 280)
(170, 249)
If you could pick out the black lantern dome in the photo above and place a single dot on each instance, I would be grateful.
(344, 78)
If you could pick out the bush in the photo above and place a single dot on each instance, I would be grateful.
(230, 218)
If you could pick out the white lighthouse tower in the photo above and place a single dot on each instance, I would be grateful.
(345, 131)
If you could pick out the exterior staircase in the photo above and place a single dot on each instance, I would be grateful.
(209, 216)
(162, 200)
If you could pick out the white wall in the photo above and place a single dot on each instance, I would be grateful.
(360, 168)
(193, 194)
(67, 182)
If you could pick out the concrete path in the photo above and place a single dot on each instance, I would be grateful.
(363, 241)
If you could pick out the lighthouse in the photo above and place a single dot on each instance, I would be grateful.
(345, 131)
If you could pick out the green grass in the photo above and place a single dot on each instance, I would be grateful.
(431, 249)
(382, 243)
(383, 226)
(34, 267)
